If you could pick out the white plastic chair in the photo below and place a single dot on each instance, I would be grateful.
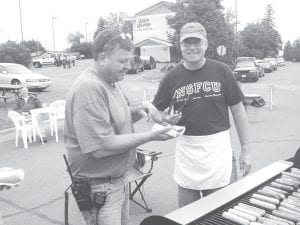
(25, 128)
(58, 114)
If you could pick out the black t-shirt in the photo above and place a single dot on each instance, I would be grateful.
(203, 95)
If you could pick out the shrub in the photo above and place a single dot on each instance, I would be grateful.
(11, 52)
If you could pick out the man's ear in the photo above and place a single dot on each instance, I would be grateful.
(206, 45)
(102, 57)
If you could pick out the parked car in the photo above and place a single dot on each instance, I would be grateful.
(239, 59)
(266, 65)
(260, 68)
(246, 71)
(134, 65)
(157, 75)
(272, 62)
(149, 62)
(45, 59)
(280, 61)
(77, 55)
(11, 73)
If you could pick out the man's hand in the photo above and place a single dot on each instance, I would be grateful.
(148, 110)
(172, 117)
(159, 134)
(245, 162)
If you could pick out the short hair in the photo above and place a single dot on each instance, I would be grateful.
(108, 40)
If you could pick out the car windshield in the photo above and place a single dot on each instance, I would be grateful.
(18, 69)
(245, 64)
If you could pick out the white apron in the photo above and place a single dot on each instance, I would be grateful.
(203, 162)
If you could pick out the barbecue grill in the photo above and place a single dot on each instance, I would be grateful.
(209, 210)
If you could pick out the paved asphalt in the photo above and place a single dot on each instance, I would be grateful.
(275, 134)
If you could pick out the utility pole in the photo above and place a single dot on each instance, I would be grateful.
(236, 31)
(53, 36)
(86, 23)
(20, 11)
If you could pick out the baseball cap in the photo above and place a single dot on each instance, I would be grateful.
(195, 30)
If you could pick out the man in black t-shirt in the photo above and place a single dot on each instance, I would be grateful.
(203, 90)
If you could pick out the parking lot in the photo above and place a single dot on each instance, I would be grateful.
(275, 134)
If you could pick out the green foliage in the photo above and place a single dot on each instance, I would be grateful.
(115, 20)
(74, 38)
(210, 14)
(83, 48)
(268, 20)
(101, 25)
(296, 51)
(11, 52)
(261, 39)
(34, 46)
(288, 51)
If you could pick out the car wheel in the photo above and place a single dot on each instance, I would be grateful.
(15, 82)
(37, 65)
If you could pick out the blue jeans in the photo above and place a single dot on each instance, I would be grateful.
(115, 211)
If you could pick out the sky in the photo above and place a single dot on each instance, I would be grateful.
(82, 15)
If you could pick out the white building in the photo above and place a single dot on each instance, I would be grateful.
(150, 32)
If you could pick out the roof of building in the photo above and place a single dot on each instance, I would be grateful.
(152, 41)
(154, 7)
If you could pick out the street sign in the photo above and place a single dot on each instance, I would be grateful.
(221, 50)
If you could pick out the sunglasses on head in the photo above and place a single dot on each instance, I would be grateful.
(123, 36)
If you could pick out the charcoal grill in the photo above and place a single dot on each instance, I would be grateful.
(208, 211)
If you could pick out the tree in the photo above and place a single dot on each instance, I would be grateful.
(288, 51)
(101, 25)
(115, 20)
(74, 38)
(296, 50)
(252, 41)
(34, 46)
(11, 52)
(274, 39)
(269, 19)
(83, 48)
(210, 14)
(261, 39)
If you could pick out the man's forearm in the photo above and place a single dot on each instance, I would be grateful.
(123, 143)
(242, 126)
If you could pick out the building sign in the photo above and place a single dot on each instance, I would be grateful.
(144, 23)
(151, 26)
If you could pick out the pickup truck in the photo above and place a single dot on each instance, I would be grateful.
(45, 59)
